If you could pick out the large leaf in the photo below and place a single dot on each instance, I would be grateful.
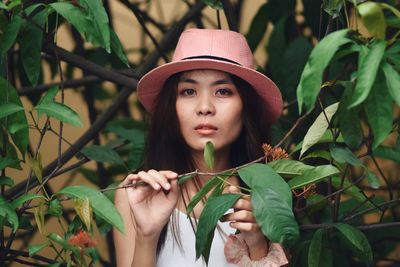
(258, 27)
(369, 60)
(80, 19)
(61, 112)
(16, 123)
(387, 153)
(274, 216)
(349, 120)
(356, 241)
(7, 162)
(352, 190)
(101, 205)
(48, 97)
(313, 176)
(212, 212)
(379, 109)
(99, 21)
(289, 168)
(205, 189)
(373, 19)
(8, 109)
(311, 78)
(11, 215)
(262, 175)
(318, 128)
(5, 180)
(315, 252)
(24, 198)
(344, 155)
(392, 81)
(117, 48)
(102, 154)
(10, 35)
(30, 41)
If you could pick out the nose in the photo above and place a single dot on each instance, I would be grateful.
(205, 105)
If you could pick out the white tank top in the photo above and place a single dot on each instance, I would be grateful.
(171, 255)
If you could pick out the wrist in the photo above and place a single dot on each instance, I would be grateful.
(258, 251)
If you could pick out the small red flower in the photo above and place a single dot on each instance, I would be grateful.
(82, 239)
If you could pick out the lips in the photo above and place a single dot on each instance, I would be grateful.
(205, 129)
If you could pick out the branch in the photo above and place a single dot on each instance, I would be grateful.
(361, 227)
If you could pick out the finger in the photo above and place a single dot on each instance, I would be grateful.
(129, 179)
(160, 178)
(245, 226)
(169, 174)
(243, 204)
(239, 216)
(150, 179)
(174, 192)
(233, 189)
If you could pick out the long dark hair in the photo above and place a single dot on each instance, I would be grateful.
(166, 148)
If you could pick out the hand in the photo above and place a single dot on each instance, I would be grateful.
(152, 204)
(243, 220)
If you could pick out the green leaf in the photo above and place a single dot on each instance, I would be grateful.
(387, 153)
(7, 162)
(216, 4)
(289, 168)
(30, 41)
(49, 96)
(373, 180)
(207, 187)
(262, 175)
(209, 154)
(379, 109)
(184, 178)
(318, 128)
(212, 212)
(392, 81)
(34, 249)
(16, 123)
(10, 34)
(373, 19)
(356, 241)
(8, 109)
(79, 18)
(99, 21)
(11, 215)
(349, 120)
(352, 190)
(344, 155)
(61, 112)
(3, 6)
(274, 216)
(24, 198)
(101, 205)
(5, 180)
(117, 48)
(313, 176)
(369, 61)
(102, 154)
(311, 78)
(315, 250)
(258, 27)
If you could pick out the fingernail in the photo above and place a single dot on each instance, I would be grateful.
(157, 186)
(167, 186)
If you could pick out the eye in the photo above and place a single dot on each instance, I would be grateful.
(224, 92)
(187, 92)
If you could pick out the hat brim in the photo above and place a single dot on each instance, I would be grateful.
(150, 84)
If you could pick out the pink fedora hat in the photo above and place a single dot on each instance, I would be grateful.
(221, 50)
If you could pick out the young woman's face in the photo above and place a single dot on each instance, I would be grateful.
(209, 108)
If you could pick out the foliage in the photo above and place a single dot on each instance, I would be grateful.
(338, 71)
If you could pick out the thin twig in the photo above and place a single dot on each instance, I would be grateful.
(295, 125)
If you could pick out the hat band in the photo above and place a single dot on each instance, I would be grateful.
(212, 57)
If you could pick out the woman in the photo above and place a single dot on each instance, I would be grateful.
(209, 92)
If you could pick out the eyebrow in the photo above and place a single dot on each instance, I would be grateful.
(218, 82)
